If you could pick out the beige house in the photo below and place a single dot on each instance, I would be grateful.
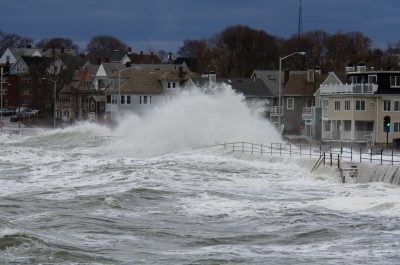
(354, 111)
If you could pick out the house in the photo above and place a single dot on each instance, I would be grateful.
(312, 116)
(11, 55)
(143, 88)
(133, 58)
(298, 90)
(354, 111)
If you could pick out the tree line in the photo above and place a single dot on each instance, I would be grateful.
(237, 50)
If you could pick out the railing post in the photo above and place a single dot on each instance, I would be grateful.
(370, 159)
(280, 149)
(392, 157)
(351, 153)
(290, 150)
(271, 149)
(324, 158)
(338, 161)
(331, 159)
(381, 155)
(320, 150)
(360, 154)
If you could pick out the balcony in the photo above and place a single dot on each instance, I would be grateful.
(276, 111)
(348, 89)
(307, 113)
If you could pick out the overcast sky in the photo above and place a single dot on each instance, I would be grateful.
(164, 24)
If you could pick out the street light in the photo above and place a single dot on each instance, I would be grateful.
(280, 108)
(55, 97)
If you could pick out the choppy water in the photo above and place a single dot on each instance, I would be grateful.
(69, 198)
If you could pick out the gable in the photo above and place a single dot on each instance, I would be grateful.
(8, 54)
(101, 71)
(37, 54)
(126, 59)
(20, 67)
(332, 79)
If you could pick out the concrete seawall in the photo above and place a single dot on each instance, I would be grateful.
(378, 173)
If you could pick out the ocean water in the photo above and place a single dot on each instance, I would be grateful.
(147, 197)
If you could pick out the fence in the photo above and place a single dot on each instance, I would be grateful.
(348, 154)
(19, 132)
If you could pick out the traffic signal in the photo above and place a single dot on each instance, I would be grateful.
(386, 121)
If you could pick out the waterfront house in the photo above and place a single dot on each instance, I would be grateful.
(354, 111)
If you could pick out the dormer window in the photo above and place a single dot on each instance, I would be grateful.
(394, 81)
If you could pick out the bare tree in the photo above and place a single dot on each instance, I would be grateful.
(198, 50)
(12, 40)
(57, 42)
(241, 49)
(102, 46)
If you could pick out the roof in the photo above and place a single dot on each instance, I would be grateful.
(250, 87)
(298, 85)
(140, 81)
(143, 58)
(33, 61)
(45, 52)
(270, 79)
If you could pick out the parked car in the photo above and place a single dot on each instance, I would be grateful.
(7, 112)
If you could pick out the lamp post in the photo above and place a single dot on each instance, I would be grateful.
(55, 97)
(280, 108)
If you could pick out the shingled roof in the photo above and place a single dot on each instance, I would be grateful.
(298, 84)
(250, 87)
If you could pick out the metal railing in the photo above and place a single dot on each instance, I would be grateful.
(18, 131)
(348, 89)
(276, 111)
(344, 154)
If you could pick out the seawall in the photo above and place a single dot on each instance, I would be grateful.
(378, 173)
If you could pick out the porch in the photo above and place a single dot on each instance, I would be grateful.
(348, 131)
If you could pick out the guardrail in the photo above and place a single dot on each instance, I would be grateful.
(344, 154)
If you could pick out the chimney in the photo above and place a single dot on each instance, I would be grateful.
(98, 61)
(180, 72)
(169, 56)
(129, 50)
(286, 75)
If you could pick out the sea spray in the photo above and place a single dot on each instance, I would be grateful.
(193, 118)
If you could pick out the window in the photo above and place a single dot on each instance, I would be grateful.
(396, 105)
(114, 99)
(108, 99)
(327, 126)
(92, 106)
(122, 99)
(325, 104)
(66, 114)
(169, 85)
(372, 79)
(144, 99)
(149, 99)
(173, 84)
(360, 105)
(337, 105)
(396, 127)
(140, 100)
(386, 105)
(395, 81)
(347, 105)
(128, 99)
(290, 103)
